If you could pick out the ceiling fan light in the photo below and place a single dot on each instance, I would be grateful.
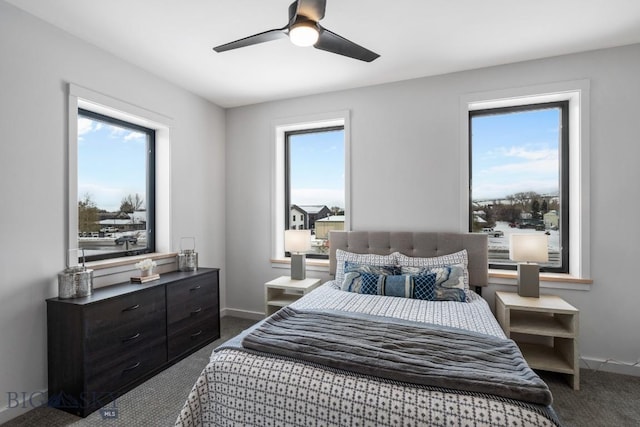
(304, 34)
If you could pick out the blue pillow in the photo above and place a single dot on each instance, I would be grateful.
(449, 281)
(406, 286)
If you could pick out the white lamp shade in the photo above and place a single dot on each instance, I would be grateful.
(297, 240)
(528, 247)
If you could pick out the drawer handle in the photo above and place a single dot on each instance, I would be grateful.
(195, 288)
(198, 310)
(133, 307)
(196, 334)
(131, 338)
(131, 368)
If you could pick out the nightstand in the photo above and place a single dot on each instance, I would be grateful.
(546, 330)
(283, 291)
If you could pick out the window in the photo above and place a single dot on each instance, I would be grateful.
(280, 207)
(519, 178)
(115, 187)
(315, 183)
(577, 93)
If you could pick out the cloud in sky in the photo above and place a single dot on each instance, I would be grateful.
(106, 197)
(515, 152)
(316, 196)
(527, 153)
(317, 168)
(498, 190)
(111, 162)
(138, 136)
(86, 126)
(538, 162)
(508, 170)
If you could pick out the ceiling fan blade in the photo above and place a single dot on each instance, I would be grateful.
(332, 42)
(266, 36)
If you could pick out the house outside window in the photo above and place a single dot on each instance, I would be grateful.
(519, 178)
(116, 187)
(315, 183)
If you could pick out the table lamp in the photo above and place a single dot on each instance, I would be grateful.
(297, 242)
(528, 249)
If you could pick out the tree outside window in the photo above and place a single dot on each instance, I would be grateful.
(519, 178)
(116, 184)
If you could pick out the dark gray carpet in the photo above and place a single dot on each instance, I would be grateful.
(604, 400)
(156, 402)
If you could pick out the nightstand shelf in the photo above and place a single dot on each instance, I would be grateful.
(545, 329)
(283, 291)
(544, 357)
(540, 324)
(283, 300)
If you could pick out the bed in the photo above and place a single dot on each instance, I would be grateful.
(353, 357)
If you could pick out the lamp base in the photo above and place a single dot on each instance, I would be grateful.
(298, 267)
(529, 280)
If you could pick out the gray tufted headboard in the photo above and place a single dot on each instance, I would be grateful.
(416, 244)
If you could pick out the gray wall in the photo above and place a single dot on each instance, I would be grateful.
(405, 175)
(406, 168)
(36, 62)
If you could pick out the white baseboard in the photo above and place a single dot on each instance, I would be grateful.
(243, 314)
(609, 365)
(21, 403)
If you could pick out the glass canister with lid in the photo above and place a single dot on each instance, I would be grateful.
(187, 256)
(75, 281)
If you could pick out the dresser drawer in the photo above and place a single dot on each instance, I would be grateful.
(126, 342)
(192, 314)
(189, 301)
(193, 335)
(191, 290)
(107, 376)
(118, 323)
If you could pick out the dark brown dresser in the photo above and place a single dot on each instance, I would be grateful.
(103, 345)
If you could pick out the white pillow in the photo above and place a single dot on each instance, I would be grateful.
(460, 257)
(366, 259)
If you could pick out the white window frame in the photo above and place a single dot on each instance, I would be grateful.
(279, 128)
(577, 93)
(93, 101)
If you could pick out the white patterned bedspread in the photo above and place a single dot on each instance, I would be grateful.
(238, 388)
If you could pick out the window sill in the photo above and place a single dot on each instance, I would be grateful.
(502, 277)
(130, 260)
(321, 265)
(547, 280)
(116, 270)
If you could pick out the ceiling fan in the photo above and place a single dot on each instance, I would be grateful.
(304, 29)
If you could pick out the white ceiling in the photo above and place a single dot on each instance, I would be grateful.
(415, 38)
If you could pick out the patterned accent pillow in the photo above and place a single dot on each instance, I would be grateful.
(460, 257)
(449, 281)
(405, 286)
(369, 259)
(388, 270)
